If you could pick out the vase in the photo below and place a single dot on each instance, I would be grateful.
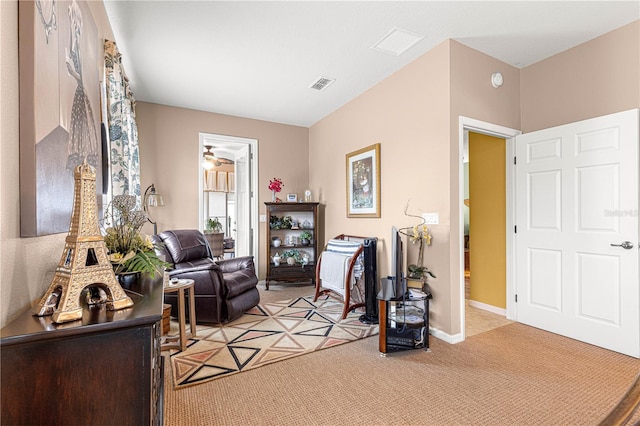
(273, 196)
(128, 280)
(276, 241)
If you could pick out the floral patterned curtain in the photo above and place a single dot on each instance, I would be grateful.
(121, 124)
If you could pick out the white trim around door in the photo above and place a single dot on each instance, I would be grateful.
(237, 147)
(466, 124)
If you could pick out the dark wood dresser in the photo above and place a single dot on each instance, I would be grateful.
(105, 369)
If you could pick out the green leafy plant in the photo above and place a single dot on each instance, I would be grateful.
(418, 272)
(287, 222)
(213, 225)
(306, 235)
(292, 253)
(275, 222)
(129, 249)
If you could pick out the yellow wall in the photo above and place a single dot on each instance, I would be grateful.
(487, 218)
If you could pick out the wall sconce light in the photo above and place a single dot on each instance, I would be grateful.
(152, 199)
(497, 80)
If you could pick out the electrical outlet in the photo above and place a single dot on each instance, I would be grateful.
(431, 218)
(263, 218)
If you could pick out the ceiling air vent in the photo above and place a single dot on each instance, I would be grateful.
(321, 83)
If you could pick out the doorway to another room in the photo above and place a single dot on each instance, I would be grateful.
(479, 309)
(228, 178)
(484, 232)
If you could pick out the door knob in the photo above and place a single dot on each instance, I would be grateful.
(627, 245)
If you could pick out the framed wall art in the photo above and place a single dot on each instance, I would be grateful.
(60, 57)
(363, 182)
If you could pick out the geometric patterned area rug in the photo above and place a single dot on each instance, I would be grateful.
(266, 334)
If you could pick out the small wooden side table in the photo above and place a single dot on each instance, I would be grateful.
(180, 341)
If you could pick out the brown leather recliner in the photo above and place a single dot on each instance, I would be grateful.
(223, 289)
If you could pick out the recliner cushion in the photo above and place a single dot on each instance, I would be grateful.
(185, 245)
(239, 281)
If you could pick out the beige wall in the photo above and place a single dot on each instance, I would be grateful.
(596, 78)
(414, 115)
(26, 264)
(170, 157)
(473, 96)
(408, 113)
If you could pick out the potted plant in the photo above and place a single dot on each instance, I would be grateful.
(130, 252)
(292, 256)
(213, 226)
(305, 237)
(418, 234)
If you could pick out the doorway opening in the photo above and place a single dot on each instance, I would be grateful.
(467, 125)
(228, 179)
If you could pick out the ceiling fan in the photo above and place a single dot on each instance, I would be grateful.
(210, 160)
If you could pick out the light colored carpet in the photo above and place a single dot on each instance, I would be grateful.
(270, 332)
(512, 375)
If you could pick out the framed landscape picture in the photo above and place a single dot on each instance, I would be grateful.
(363, 182)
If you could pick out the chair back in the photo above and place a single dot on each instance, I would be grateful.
(183, 245)
(216, 243)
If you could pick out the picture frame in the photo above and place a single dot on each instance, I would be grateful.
(292, 198)
(363, 182)
(60, 59)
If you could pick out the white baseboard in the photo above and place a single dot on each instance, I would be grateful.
(452, 339)
(490, 308)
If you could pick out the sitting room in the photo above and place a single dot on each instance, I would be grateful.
(320, 119)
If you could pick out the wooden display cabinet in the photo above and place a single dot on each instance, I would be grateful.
(304, 217)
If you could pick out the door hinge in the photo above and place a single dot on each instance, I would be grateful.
(515, 161)
(515, 229)
(516, 298)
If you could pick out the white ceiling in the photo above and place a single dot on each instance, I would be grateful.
(258, 59)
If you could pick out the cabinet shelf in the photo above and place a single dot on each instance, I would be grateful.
(295, 246)
(404, 324)
(300, 212)
(297, 265)
(290, 229)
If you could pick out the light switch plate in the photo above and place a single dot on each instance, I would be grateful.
(263, 218)
(431, 218)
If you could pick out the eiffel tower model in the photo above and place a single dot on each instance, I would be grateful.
(84, 260)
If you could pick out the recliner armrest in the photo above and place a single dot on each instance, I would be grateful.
(187, 268)
(236, 264)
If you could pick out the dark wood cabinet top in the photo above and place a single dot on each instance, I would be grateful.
(291, 207)
(147, 296)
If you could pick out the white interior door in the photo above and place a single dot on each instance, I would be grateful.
(577, 202)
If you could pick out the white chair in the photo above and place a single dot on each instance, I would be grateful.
(339, 272)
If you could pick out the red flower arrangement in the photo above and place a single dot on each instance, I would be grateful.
(276, 184)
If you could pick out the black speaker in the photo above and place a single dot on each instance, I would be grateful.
(370, 279)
